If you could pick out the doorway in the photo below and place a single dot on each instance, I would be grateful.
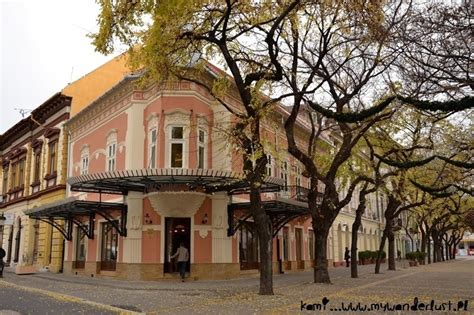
(299, 252)
(178, 230)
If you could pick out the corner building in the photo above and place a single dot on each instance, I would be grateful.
(151, 168)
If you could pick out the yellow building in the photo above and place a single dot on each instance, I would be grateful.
(33, 170)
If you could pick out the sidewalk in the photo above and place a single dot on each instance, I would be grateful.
(224, 296)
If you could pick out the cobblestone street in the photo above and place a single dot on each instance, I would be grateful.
(443, 282)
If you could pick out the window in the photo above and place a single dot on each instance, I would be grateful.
(80, 248)
(201, 148)
(284, 174)
(14, 173)
(5, 180)
(248, 246)
(109, 247)
(297, 175)
(52, 157)
(269, 167)
(177, 146)
(152, 149)
(37, 165)
(285, 244)
(85, 164)
(21, 172)
(111, 149)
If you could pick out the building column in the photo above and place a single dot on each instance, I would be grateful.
(132, 244)
(221, 243)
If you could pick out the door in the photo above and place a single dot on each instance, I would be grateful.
(178, 230)
(299, 252)
(248, 246)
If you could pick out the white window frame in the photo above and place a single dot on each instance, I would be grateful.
(171, 141)
(152, 147)
(269, 167)
(202, 144)
(111, 160)
(298, 176)
(84, 164)
(284, 173)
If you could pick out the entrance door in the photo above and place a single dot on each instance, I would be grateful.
(178, 230)
(299, 253)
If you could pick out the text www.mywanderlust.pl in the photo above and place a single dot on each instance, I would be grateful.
(416, 305)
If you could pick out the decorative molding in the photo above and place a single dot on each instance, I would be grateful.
(176, 204)
(203, 233)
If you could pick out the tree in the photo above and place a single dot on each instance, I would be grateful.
(334, 55)
(242, 36)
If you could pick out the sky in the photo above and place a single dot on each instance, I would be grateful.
(43, 47)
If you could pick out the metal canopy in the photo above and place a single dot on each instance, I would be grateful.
(71, 210)
(161, 179)
(280, 211)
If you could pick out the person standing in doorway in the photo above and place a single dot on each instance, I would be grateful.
(347, 257)
(183, 255)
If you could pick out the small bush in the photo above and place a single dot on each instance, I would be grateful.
(411, 256)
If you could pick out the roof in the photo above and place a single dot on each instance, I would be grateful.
(157, 179)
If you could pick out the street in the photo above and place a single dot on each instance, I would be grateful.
(446, 286)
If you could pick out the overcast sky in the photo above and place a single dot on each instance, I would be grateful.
(43, 47)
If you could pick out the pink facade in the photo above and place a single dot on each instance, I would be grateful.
(172, 128)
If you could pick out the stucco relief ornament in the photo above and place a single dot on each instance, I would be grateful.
(203, 233)
(136, 222)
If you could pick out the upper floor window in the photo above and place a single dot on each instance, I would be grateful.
(297, 175)
(37, 166)
(53, 148)
(85, 160)
(5, 180)
(152, 148)
(14, 174)
(111, 151)
(177, 147)
(21, 172)
(84, 164)
(284, 174)
(269, 167)
(201, 148)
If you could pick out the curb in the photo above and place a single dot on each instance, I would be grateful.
(70, 298)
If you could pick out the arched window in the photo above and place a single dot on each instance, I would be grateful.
(85, 160)
(152, 140)
(111, 151)
(201, 158)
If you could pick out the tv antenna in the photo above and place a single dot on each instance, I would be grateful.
(23, 111)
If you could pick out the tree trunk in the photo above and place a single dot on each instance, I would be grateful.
(423, 241)
(428, 249)
(391, 250)
(321, 232)
(381, 247)
(355, 228)
(265, 237)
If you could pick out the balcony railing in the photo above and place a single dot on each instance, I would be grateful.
(297, 193)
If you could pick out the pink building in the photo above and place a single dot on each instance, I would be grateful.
(151, 168)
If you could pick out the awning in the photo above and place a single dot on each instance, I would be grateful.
(281, 211)
(161, 179)
(63, 214)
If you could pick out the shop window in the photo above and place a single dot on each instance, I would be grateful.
(248, 246)
(80, 249)
(109, 247)
(286, 240)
